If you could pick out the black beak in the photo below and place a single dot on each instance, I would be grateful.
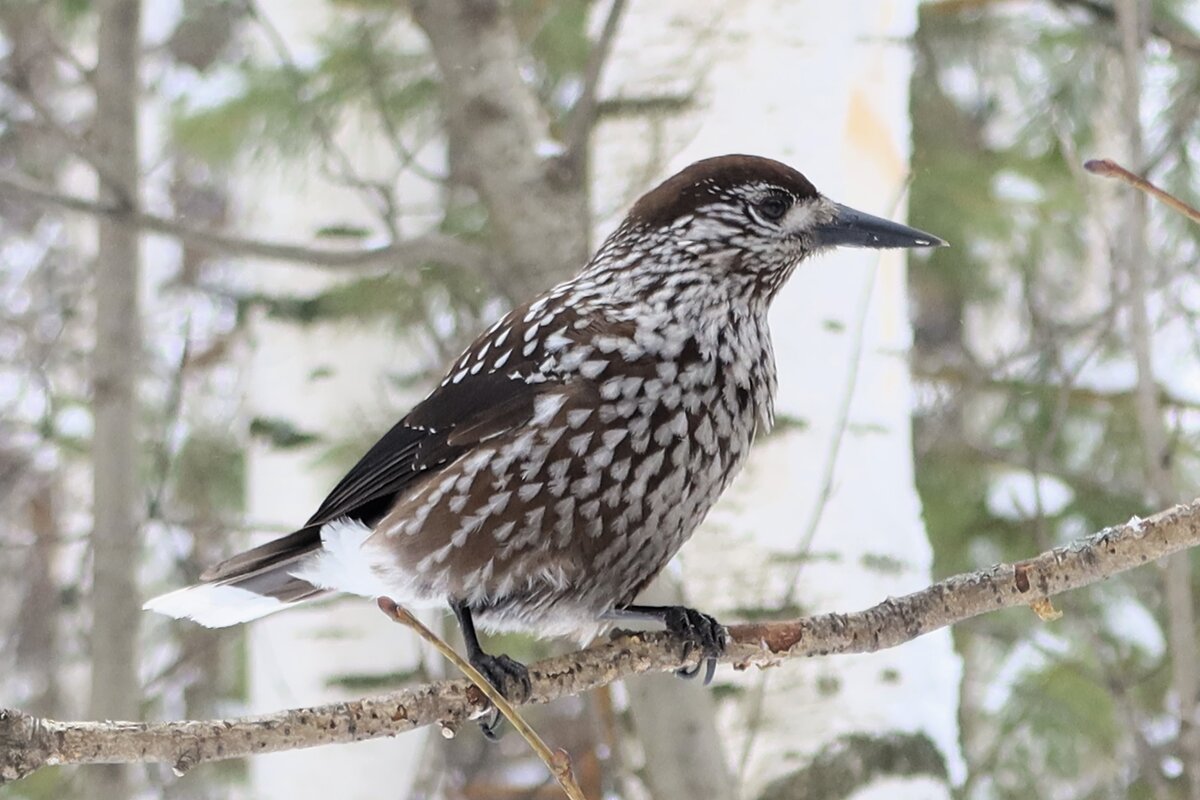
(850, 228)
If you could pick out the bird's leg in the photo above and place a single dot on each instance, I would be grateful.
(698, 631)
(501, 671)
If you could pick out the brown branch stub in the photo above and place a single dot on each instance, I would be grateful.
(1108, 168)
(28, 743)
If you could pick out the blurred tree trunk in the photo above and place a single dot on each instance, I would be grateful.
(117, 357)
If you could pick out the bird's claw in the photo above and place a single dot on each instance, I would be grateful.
(511, 679)
(700, 632)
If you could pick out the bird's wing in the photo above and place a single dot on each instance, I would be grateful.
(440, 429)
(444, 426)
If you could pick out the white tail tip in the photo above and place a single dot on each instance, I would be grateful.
(215, 606)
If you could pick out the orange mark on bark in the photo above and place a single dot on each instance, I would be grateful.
(869, 134)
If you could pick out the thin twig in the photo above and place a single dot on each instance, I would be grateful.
(558, 763)
(426, 248)
(1108, 168)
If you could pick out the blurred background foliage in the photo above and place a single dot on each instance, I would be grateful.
(1029, 443)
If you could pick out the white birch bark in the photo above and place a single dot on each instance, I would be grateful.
(824, 88)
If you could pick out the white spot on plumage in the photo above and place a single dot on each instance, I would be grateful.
(535, 309)
(533, 463)
(550, 436)
(620, 469)
(671, 396)
(503, 530)
(587, 485)
(578, 444)
(704, 435)
(556, 341)
(592, 369)
(600, 459)
(545, 407)
(650, 465)
(607, 344)
(612, 495)
(564, 508)
(474, 462)
(613, 437)
(570, 361)
(578, 416)
(528, 491)
(498, 502)
(557, 471)
(469, 525)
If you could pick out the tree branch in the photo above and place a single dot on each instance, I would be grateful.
(427, 248)
(583, 114)
(28, 743)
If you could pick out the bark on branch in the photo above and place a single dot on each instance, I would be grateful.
(28, 743)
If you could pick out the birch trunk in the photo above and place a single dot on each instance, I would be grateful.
(800, 527)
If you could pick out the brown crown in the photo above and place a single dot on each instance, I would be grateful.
(705, 181)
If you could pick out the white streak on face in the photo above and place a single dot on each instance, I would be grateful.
(807, 214)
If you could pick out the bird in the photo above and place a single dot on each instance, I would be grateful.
(576, 444)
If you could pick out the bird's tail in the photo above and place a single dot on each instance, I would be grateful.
(249, 585)
(302, 566)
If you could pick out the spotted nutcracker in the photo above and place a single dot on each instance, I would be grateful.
(576, 445)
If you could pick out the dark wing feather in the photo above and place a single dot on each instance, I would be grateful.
(444, 426)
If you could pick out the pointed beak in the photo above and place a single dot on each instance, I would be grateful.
(850, 228)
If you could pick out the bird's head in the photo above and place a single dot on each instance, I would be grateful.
(748, 220)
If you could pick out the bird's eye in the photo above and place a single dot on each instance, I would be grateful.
(773, 208)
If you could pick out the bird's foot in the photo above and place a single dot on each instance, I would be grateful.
(511, 679)
(700, 632)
